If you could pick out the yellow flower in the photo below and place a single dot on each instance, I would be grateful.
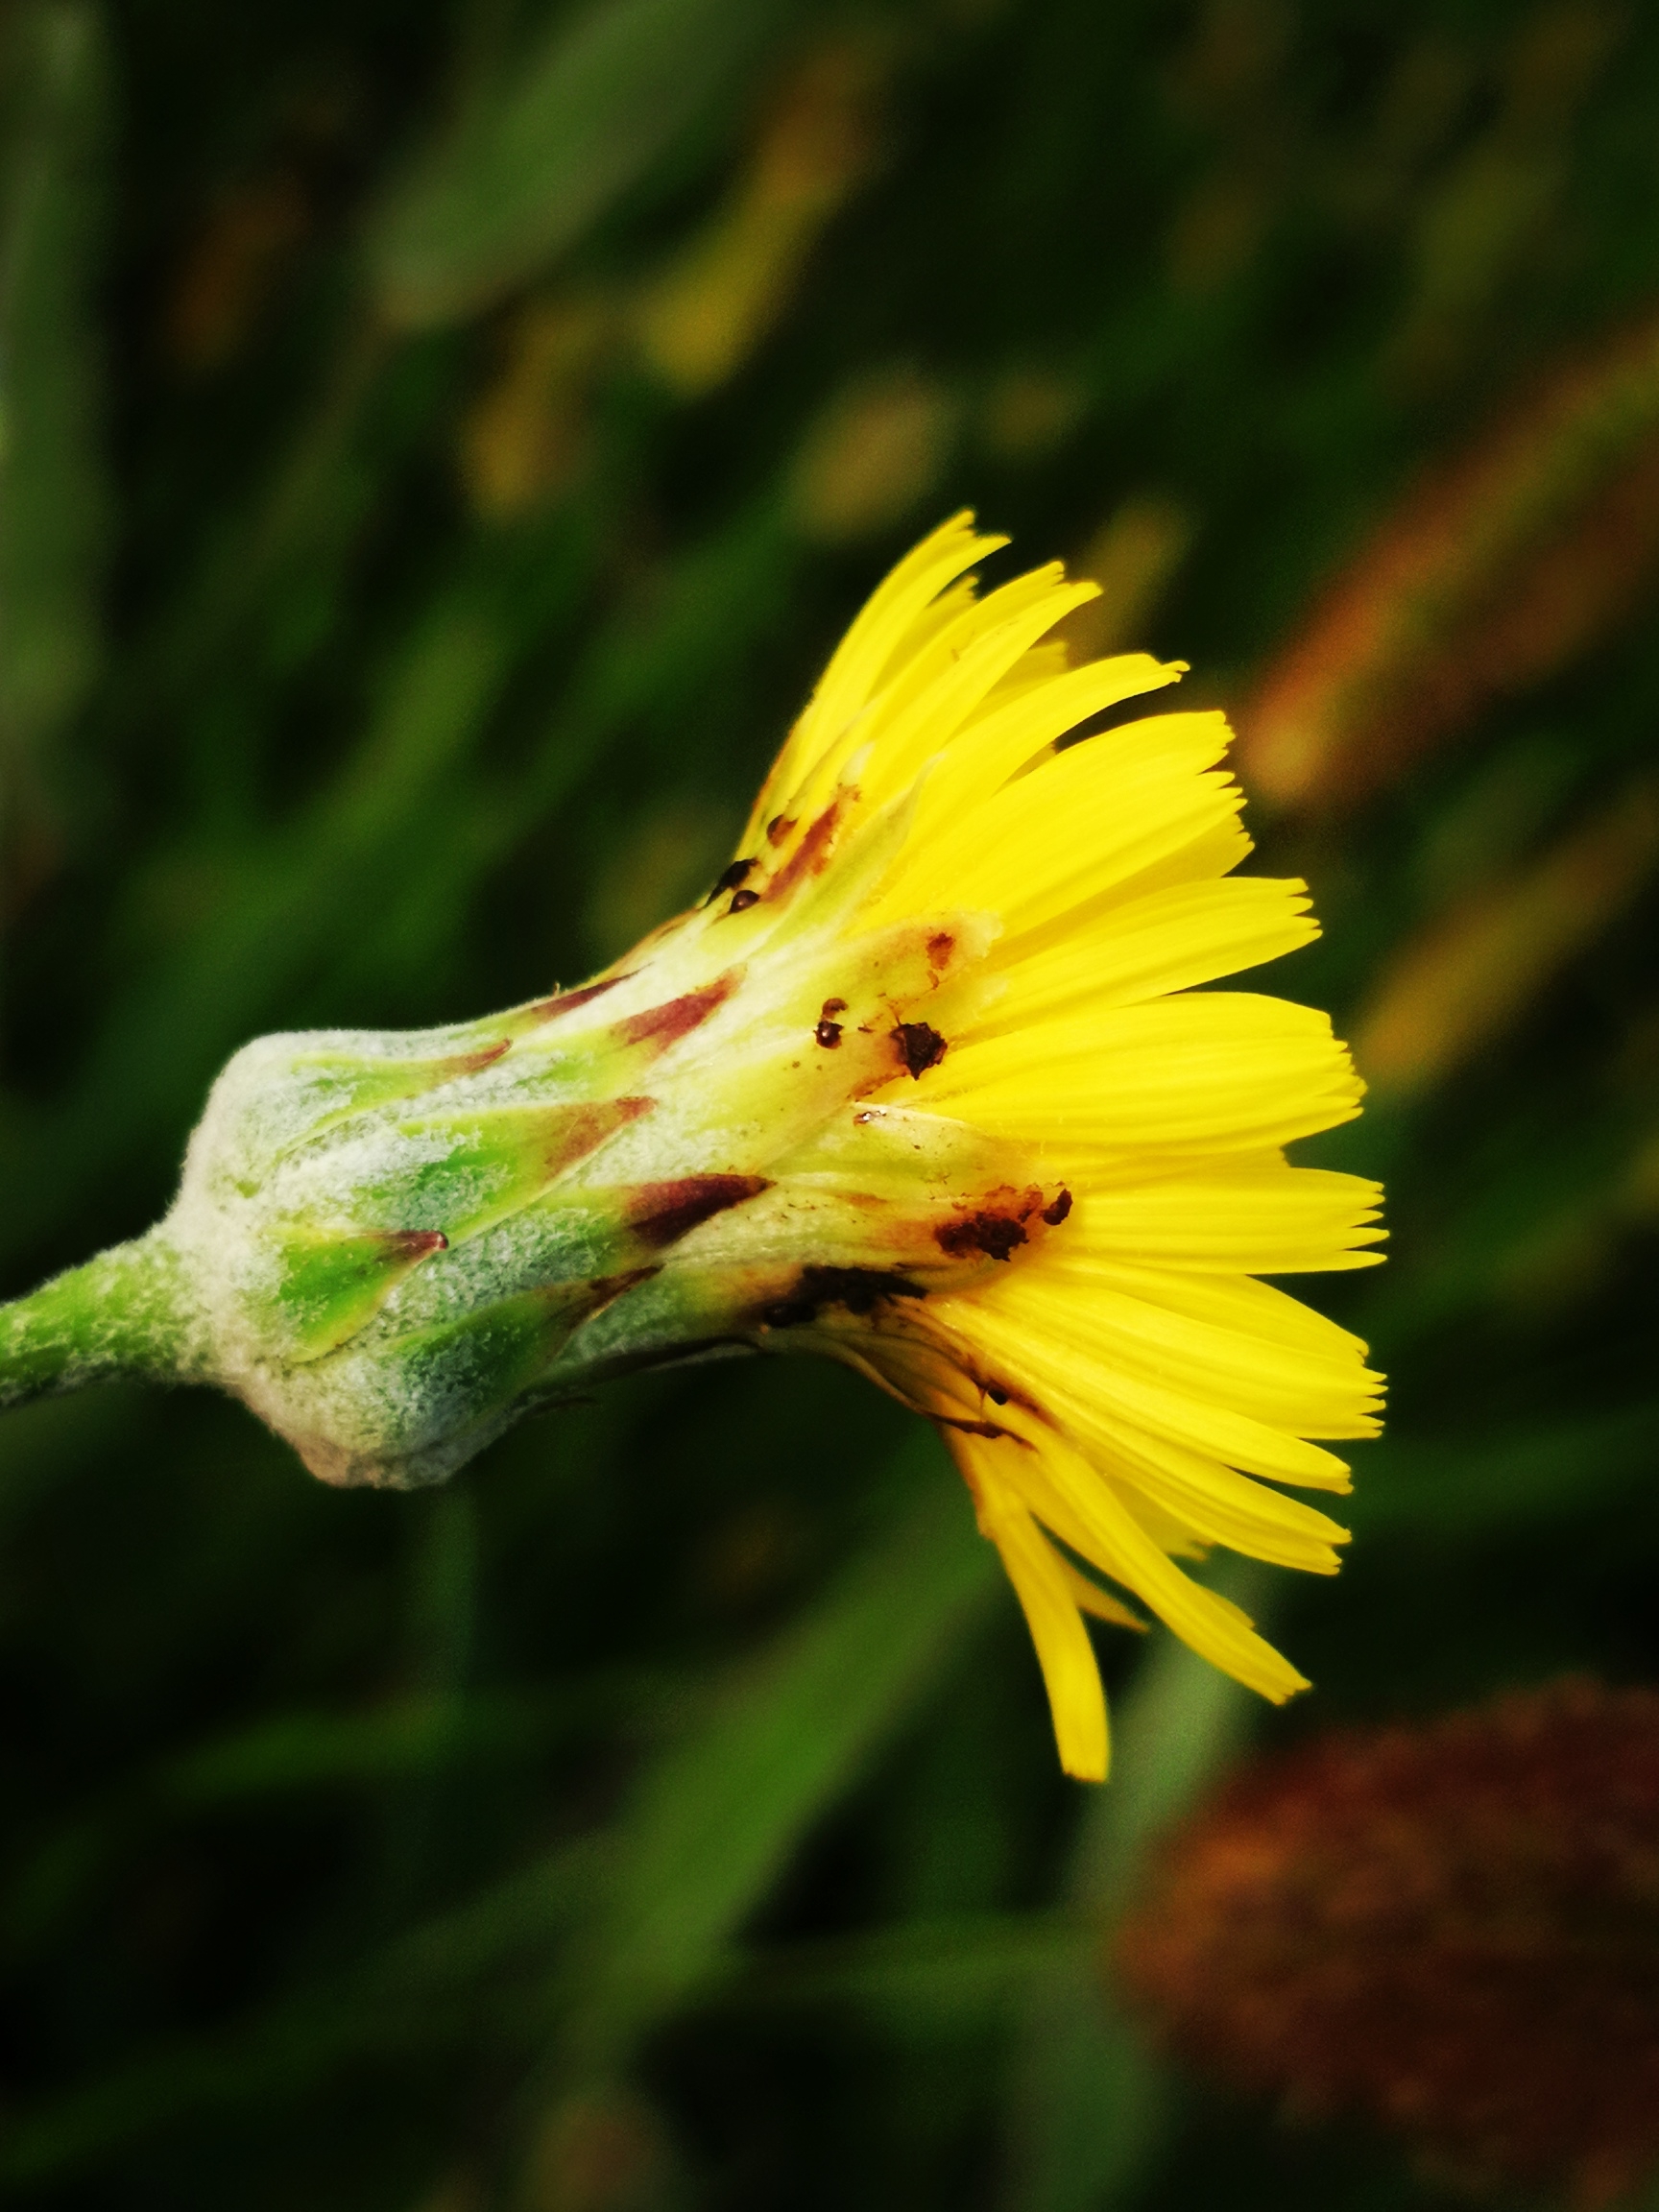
(1118, 1390)
(923, 1085)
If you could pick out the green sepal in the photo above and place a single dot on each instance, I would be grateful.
(344, 1086)
(495, 1161)
(488, 1361)
(330, 1286)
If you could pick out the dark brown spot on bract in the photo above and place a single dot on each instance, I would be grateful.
(832, 1008)
(920, 1046)
(996, 1396)
(549, 1009)
(736, 874)
(859, 1290)
(1056, 1214)
(742, 901)
(994, 1235)
(660, 1213)
(829, 1034)
(666, 1024)
(996, 1228)
(940, 946)
(778, 827)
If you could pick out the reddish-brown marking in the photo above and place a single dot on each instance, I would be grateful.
(572, 1131)
(742, 901)
(469, 1063)
(664, 1026)
(996, 1228)
(832, 1008)
(778, 827)
(660, 1213)
(920, 1046)
(1056, 1214)
(412, 1245)
(604, 1289)
(859, 1290)
(828, 1034)
(940, 946)
(996, 1236)
(811, 856)
(549, 1009)
(736, 874)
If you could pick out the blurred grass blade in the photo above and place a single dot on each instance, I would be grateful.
(944, 1971)
(529, 168)
(415, 1997)
(403, 837)
(52, 498)
(657, 1895)
(1498, 570)
(1087, 2104)
(1455, 988)
(358, 841)
(1504, 1482)
(713, 1825)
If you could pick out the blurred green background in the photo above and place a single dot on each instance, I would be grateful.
(439, 444)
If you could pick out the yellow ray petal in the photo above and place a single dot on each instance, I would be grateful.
(1059, 1486)
(923, 711)
(894, 610)
(1099, 812)
(1260, 1216)
(1268, 1318)
(1191, 934)
(1070, 1674)
(1301, 1375)
(1220, 1071)
(1214, 1503)
(1095, 1398)
(1021, 721)
(1092, 1598)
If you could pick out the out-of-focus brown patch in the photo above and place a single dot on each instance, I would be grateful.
(1133, 557)
(752, 1556)
(702, 317)
(231, 268)
(873, 454)
(599, 2150)
(526, 434)
(1448, 1929)
(1031, 409)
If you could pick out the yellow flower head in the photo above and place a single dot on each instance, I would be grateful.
(1116, 1389)
(923, 1085)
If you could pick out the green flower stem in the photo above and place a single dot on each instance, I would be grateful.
(126, 1312)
